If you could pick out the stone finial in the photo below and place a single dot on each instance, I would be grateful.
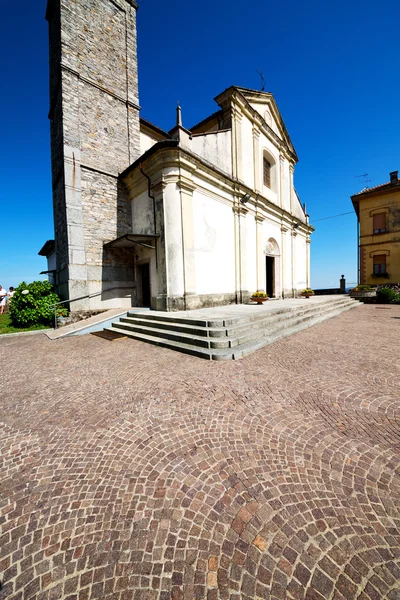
(178, 115)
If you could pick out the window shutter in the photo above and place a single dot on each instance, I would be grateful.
(379, 264)
(379, 223)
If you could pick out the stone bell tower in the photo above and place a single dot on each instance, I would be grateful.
(94, 116)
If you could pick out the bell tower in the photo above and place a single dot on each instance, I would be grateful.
(94, 125)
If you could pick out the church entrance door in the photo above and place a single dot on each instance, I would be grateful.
(144, 281)
(270, 275)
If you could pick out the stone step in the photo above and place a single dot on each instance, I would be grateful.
(215, 322)
(242, 336)
(234, 327)
(232, 338)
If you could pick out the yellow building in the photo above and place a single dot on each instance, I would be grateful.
(378, 212)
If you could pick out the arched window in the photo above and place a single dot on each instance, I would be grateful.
(269, 171)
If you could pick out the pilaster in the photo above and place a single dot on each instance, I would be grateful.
(257, 159)
(240, 213)
(308, 266)
(293, 234)
(260, 262)
(237, 169)
(186, 188)
(291, 184)
(281, 196)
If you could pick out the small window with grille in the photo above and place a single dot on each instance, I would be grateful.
(379, 264)
(379, 224)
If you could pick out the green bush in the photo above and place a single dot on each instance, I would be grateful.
(35, 307)
(396, 299)
(385, 295)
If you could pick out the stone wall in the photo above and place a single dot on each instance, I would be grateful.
(94, 117)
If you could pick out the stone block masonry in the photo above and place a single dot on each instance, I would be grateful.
(94, 117)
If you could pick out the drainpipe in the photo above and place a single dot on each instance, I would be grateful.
(154, 210)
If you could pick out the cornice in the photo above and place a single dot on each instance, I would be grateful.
(168, 154)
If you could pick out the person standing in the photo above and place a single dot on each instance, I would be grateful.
(3, 298)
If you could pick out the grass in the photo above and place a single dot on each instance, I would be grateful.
(7, 327)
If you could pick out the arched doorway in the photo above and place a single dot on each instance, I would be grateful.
(272, 268)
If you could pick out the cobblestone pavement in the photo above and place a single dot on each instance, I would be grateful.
(133, 472)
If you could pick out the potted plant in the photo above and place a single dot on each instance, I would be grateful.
(363, 292)
(259, 297)
(307, 292)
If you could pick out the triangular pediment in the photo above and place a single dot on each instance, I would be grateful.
(264, 106)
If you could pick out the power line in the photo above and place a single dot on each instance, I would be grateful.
(334, 216)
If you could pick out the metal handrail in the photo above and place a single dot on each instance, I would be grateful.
(119, 287)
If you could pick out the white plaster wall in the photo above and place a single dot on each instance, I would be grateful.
(142, 214)
(216, 148)
(214, 249)
(146, 142)
(300, 258)
(249, 278)
(297, 208)
(246, 156)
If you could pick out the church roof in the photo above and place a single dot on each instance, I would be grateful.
(155, 128)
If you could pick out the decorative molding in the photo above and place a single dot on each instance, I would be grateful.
(239, 210)
(186, 185)
(377, 211)
(259, 218)
(379, 252)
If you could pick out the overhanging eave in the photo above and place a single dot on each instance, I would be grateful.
(133, 239)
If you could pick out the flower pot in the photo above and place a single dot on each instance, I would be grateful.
(307, 295)
(258, 300)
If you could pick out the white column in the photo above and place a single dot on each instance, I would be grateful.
(308, 271)
(293, 278)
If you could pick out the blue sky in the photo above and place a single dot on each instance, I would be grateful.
(332, 67)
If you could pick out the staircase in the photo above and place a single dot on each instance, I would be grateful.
(233, 335)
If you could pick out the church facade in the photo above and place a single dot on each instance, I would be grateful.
(173, 220)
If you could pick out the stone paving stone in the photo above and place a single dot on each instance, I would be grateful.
(133, 472)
